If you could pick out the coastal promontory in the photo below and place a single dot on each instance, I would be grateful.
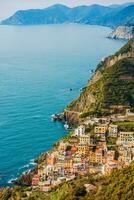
(95, 159)
(123, 32)
(111, 88)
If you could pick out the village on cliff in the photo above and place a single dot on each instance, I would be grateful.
(97, 146)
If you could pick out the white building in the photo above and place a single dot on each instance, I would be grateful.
(125, 154)
(129, 113)
(126, 138)
(110, 155)
(80, 130)
(113, 130)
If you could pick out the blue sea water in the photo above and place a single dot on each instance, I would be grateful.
(38, 65)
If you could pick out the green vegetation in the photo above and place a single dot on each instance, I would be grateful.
(111, 141)
(86, 114)
(90, 129)
(15, 194)
(39, 196)
(112, 91)
(6, 194)
(126, 48)
(125, 126)
(117, 186)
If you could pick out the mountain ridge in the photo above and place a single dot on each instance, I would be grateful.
(58, 13)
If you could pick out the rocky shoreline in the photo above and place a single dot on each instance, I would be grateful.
(122, 32)
(73, 119)
(98, 145)
(26, 178)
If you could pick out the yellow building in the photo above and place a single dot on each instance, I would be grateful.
(99, 157)
(100, 129)
(68, 164)
(84, 139)
(62, 146)
(92, 157)
(83, 149)
(96, 157)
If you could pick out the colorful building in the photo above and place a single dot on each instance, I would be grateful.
(80, 130)
(113, 130)
(84, 139)
(126, 138)
(83, 149)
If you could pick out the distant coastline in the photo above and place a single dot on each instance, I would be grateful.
(114, 17)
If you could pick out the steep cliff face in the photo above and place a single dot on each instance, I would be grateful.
(123, 32)
(112, 86)
(72, 117)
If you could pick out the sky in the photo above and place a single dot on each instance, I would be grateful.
(9, 7)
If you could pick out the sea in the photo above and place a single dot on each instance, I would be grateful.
(38, 67)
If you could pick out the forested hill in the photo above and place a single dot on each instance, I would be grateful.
(111, 87)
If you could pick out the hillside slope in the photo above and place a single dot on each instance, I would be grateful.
(112, 86)
(120, 16)
(117, 186)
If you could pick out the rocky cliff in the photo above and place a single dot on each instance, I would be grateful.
(111, 88)
(123, 32)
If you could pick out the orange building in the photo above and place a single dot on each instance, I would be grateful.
(100, 129)
(51, 160)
